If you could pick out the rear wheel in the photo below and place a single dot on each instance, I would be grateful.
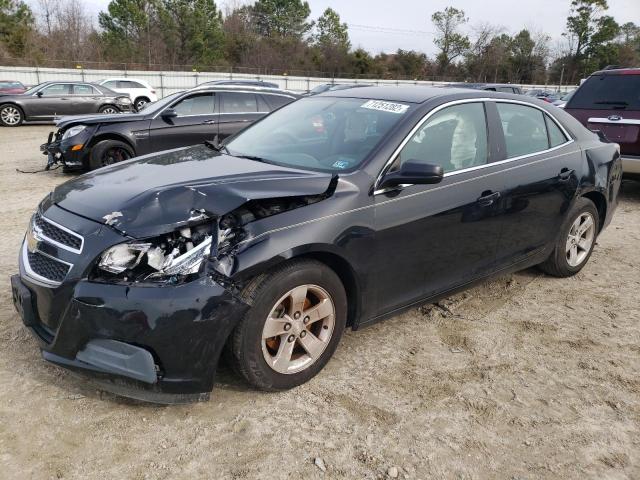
(109, 110)
(576, 241)
(11, 115)
(108, 152)
(140, 102)
(297, 316)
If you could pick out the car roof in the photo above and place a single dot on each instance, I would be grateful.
(618, 71)
(414, 93)
(246, 88)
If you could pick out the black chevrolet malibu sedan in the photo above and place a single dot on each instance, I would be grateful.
(335, 211)
(184, 118)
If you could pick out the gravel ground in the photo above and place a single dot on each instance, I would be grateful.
(524, 377)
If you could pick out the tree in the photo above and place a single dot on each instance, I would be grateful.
(282, 18)
(16, 27)
(127, 29)
(192, 31)
(590, 33)
(448, 39)
(528, 56)
(332, 42)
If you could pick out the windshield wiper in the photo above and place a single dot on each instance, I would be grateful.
(252, 157)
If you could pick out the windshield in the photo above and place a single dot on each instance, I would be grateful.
(33, 89)
(320, 133)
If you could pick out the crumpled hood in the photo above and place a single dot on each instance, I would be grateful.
(157, 193)
(69, 120)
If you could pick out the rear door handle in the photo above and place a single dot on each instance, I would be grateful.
(565, 174)
(488, 198)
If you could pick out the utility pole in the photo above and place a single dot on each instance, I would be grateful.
(561, 76)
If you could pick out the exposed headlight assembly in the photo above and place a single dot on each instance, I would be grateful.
(73, 131)
(169, 258)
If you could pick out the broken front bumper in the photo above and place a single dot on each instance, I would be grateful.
(158, 343)
(71, 153)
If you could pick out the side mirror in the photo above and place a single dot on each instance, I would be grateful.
(415, 173)
(169, 113)
(39, 94)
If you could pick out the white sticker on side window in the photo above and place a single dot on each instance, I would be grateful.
(385, 106)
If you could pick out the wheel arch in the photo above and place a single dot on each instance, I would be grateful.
(600, 201)
(99, 137)
(14, 104)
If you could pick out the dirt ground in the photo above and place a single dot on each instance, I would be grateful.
(525, 377)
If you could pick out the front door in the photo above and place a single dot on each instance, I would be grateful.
(431, 238)
(85, 99)
(196, 121)
(55, 100)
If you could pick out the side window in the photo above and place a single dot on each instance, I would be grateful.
(238, 102)
(83, 90)
(277, 101)
(505, 89)
(198, 104)
(556, 137)
(524, 129)
(128, 84)
(56, 89)
(262, 105)
(454, 138)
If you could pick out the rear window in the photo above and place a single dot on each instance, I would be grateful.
(608, 92)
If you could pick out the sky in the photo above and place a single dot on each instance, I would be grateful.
(387, 25)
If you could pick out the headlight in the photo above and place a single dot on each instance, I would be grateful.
(124, 100)
(73, 131)
(168, 258)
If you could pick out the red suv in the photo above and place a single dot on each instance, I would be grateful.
(609, 100)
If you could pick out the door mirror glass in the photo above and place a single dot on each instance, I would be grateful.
(39, 94)
(413, 172)
(169, 113)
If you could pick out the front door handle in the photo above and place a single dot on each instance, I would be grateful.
(208, 122)
(565, 174)
(487, 198)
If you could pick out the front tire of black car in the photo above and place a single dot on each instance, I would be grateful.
(108, 152)
(304, 304)
(11, 115)
(574, 246)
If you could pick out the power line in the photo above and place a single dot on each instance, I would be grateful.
(395, 31)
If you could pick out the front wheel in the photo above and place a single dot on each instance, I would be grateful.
(11, 115)
(575, 242)
(297, 316)
(108, 152)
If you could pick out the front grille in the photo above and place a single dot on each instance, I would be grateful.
(47, 267)
(62, 237)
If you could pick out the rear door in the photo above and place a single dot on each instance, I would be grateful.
(197, 121)
(238, 110)
(542, 166)
(85, 99)
(610, 103)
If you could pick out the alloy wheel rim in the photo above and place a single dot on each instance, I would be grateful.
(115, 155)
(140, 104)
(10, 115)
(580, 239)
(109, 110)
(298, 329)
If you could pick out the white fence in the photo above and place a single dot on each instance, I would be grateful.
(169, 81)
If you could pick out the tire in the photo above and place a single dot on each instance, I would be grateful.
(108, 152)
(109, 109)
(140, 102)
(562, 262)
(255, 358)
(11, 115)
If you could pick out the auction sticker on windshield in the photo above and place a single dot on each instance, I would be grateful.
(385, 106)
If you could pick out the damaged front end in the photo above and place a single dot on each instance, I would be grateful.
(180, 255)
